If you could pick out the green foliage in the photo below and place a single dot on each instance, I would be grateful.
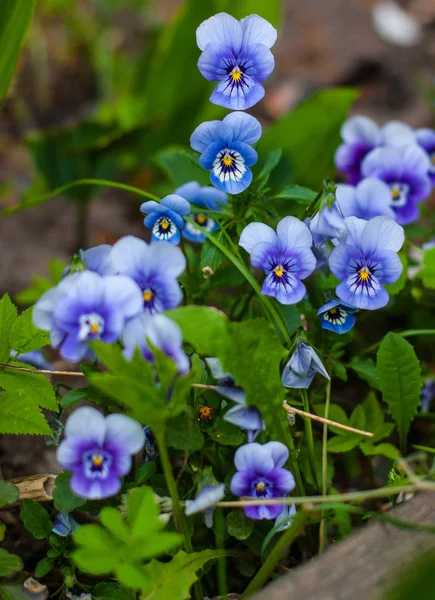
(210, 339)
(239, 526)
(40, 285)
(25, 336)
(111, 591)
(398, 373)
(9, 563)
(64, 499)
(427, 273)
(15, 19)
(35, 519)
(44, 567)
(271, 11)
(310, 134)
(29, 386)
(8, 493)
(120, 545)
(296, 193)
(183, 433)
(21, 415)
(174, 162)
(8, 316)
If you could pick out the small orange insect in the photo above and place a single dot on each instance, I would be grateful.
(205, 413)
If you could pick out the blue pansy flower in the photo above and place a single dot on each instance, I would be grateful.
(165, 218)
(205, 502)
(427, 394)
(154, 268)
(96, 259)
(237, 55)
(337, 316)
(405, 171)
(426, 139)
(370, 198)
(327, 224)
(201, 197)
(163, 333)
(85, 307)
(226, 151)
(285, 256)
(301, 368)
(360, 135)
(64, 524)
(367, 260)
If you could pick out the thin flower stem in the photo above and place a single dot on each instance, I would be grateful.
(309, 436)
(269, 565)
(219, 529)
(323, 523)
(178, 509)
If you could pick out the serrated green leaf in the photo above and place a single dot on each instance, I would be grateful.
(8, 493)
(33, 387)
(358, 418)
(398, 373)
(44, 567)
(35, 519)
(8, 316)
(9, 563)
(63, 497)
(25, 336)
(131, 575)
(98, 552)
(20, 415)
(239, 526)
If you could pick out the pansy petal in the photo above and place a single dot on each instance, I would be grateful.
(283, 481)
(339, 261)
(98, 259)
(168, 259)
(416, 159)
(189, 190)
(257, 30)
(245, 128)
(213, 62)
(373, 199)
(396, 133)
(123, 292)
(262, 61)
(290, 292)
(211, 198)
(292, 232)
(231, 185)
(305, 261)
(381, 159)
(129, 255)
(125, 432)
(220, 29)
(331, 304)
(391, 266)
(255, 233)
(349, 322)
(209, 132)
(149, 206)
(94, 489)
(382, 233)
(253, 457)
(279, 453)
(248, 418)
(87, 423)
(241, 483)
(72, 348)
(238, 98)
(178, 204)
(361, 129)
(355, 228)
(249, 155)
(209, 155)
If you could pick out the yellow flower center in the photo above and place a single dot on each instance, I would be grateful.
(332, 311)
(364, 274)
(95, 328)
(165, 224)
(227, 160)
(279, 271)
(148, 295)
(201, 218)
(260, 486)
(236, 74)
(395, 192)
(97, 460)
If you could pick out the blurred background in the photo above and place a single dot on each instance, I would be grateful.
(110, 89)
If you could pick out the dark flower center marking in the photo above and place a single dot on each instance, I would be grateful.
(164, 228)
(364, 277)
(336, 316)
(236, 74)
(262, 488)
(97, 463)
(281, 273)
(91, 326)
(399, 194)
(229, 165)
(148, 295)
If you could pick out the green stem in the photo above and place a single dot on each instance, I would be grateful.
(220, 545)
(178, 509)
(310, 438)
(323, 523)
(404, 334)
(276, 554)
(294, 464)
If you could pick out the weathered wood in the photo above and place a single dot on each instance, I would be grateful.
(362, 566)
(36, 487)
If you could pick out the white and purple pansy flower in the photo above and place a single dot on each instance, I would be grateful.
(96, 259)
(426, 139)
(85, 307)
(205, 502)
(327, 224)
(98, 450)
(301, 368)
(237, 55)
(165, 218)
(154, 268)
(360, 135)
(260, 474)
(370, 198)
(367, 260)
(285, 256)
(337, 316)
(201, 197)
(162, 333)
(405, 171)
(226, 150)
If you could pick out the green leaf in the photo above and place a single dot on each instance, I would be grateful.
(8, 316)
(114, 522)
(74, 396)
(427, 273)
(64, 499)
(384, 449)
(239, 526)
(174, 579)
(310, 135)
(398, 373)
(15, 19)
(98, 551)
(176, 165)
(341, 443)
(8, 493)
(272, 160)
(20, 415)
(335, 413)
(25, 336)
(111, 591)
(211, 256)
(226, 433)
(9, 563)
(33, 387)
(211, 338)
(145, 472)
(366, 369)
(375, 418)
(183, 433)
(36, 519)
(297, 193)
(44, 567)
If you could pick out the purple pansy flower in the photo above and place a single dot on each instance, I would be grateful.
(154, 268)
(337, 316)
(301, 368)
(285, 257)
(360, 135)
(165, 218)
(426, 139)
(327, 224)
(85, 307)
(64, 524)
(202, 197)
(237, 54)
(370, 198)
(163, 333)
(260, 474)
(367, 260)
(226, 151)
(427, 394)
(205, 501)
(405, 171)
(96, 259)
(98, 451)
